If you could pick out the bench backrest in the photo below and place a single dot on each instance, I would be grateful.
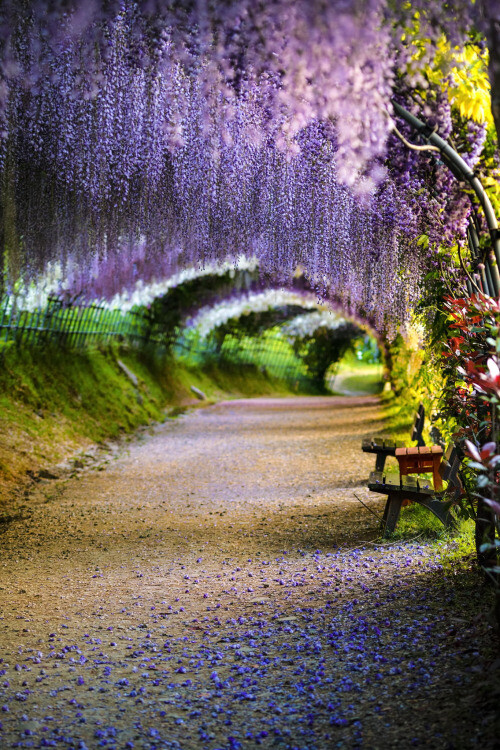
(436, 437)
(418, 426)
(450, 465)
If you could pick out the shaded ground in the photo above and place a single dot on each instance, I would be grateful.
(215, 585)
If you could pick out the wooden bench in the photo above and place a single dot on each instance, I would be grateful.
(403, 487)
(421, 461)
(383, 447)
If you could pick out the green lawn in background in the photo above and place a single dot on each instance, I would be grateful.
(354, 377)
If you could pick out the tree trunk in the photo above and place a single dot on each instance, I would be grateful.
(491, 16)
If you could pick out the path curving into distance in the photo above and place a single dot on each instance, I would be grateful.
(214, 584)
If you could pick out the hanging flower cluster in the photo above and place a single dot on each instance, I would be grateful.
(140, 138)
(76, 284)
(303, 326)
(218, 315)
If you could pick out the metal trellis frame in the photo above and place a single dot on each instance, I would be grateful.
(490, 276)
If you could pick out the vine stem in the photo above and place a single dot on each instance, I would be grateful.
(413, 146)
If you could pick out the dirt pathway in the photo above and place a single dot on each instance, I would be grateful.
(214, 586)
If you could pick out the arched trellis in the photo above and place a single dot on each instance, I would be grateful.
(487, 267)
(298, 295)
(234, 331)
(301, 292)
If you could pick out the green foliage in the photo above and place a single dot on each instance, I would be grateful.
(258, 339)
(254, 324)
(471, 393)
(412, 374)
(269, 353)
(87, 388)
(321, 349)
(415, 377)
(169, 312)
(69, 326)
(367, 350)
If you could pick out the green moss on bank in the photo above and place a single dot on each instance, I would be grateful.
(53, 403)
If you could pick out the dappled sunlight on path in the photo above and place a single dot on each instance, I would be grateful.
(210, 588)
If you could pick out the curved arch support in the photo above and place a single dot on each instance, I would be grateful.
(461, 170)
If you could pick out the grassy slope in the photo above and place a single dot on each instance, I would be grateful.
(54, 404)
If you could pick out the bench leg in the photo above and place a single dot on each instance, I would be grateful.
(380, 462)
(440, 511)
(391, 514)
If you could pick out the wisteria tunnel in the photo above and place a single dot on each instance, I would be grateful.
(250, 374)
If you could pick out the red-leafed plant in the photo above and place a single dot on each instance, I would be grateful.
(471, 400)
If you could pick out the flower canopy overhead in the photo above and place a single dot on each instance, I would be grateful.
(138, 138)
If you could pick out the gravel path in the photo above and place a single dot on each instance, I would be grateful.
(213, 584)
